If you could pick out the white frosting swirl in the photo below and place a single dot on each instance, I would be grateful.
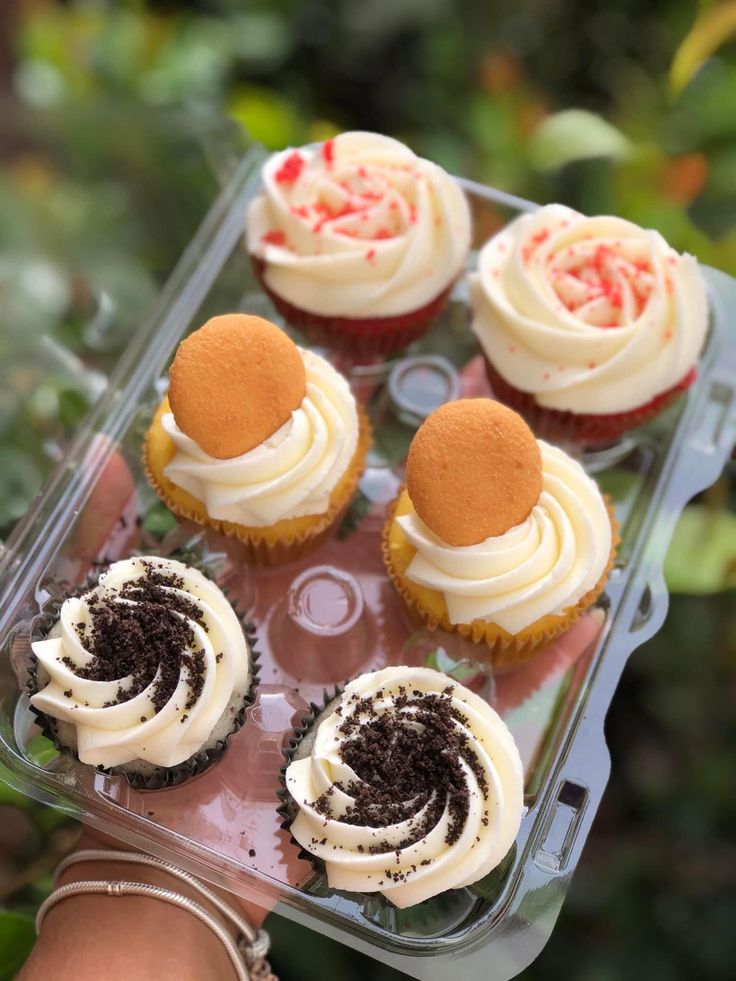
(289, 475)
(110, 734)
(540, 567)
(416, 848)
(592, 315)
(358, 227)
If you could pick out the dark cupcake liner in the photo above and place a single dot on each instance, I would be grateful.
(563, 426)
(288, 808)
(358, 336)
(162, 777)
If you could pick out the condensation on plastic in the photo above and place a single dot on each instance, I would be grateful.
(334, 615)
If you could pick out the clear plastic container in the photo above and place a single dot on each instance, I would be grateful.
(335, 614)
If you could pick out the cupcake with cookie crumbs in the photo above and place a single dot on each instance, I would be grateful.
(407, 784)
(358, 241)
(497, 536)
(257, 438)
(146, 674)
(590, 326)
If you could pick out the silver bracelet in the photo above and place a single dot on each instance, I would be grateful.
(248, 955)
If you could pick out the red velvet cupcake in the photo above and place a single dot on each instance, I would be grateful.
(358, 241)
(590, 326)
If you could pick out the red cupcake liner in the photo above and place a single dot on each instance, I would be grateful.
(365, 337)
(565, 426)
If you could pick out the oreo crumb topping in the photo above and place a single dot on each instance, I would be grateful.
(409, 766)
(148, 635)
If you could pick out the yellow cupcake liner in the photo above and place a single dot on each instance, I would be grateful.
(284, 541)
(427, 606)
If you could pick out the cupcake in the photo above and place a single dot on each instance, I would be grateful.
(147, 673)
(496, 535)
(407, 784)
(258, 438)
(358, 241)
(590, 326)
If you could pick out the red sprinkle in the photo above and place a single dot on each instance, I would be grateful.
(381, 234)
(274, 237)
(592, 364)
(667, 336)
(290, 169)
(613, 292)
(328, 152)
(536, 240)
(370, 255)
(546, 375)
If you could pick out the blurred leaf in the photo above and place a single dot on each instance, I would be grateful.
(158, 520)
(266, 116)
(20, 479)
(358, 508)
(712, 28)
(73, 407)
(261, 38)
(40, 750)
(711, 537)
(575, 134)
(618, 483)
(192, 63)
(17, 935)
(8, 795)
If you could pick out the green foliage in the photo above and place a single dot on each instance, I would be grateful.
(591, 105)
(702, 555)
(158, 521)
(17, 934)
(575, 134)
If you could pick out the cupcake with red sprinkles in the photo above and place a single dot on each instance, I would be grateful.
(590, 326)
(358, 241)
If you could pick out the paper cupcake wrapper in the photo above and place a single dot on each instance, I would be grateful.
(160, 777)
(362, 336)
(288, 808)
(502, 649)
(571, 427)
(259, 549)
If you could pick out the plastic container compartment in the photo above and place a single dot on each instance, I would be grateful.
(335, 615)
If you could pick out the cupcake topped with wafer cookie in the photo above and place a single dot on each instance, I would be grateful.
(257, 438)
(498, 536)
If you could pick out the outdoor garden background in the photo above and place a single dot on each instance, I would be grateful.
(116, 120)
